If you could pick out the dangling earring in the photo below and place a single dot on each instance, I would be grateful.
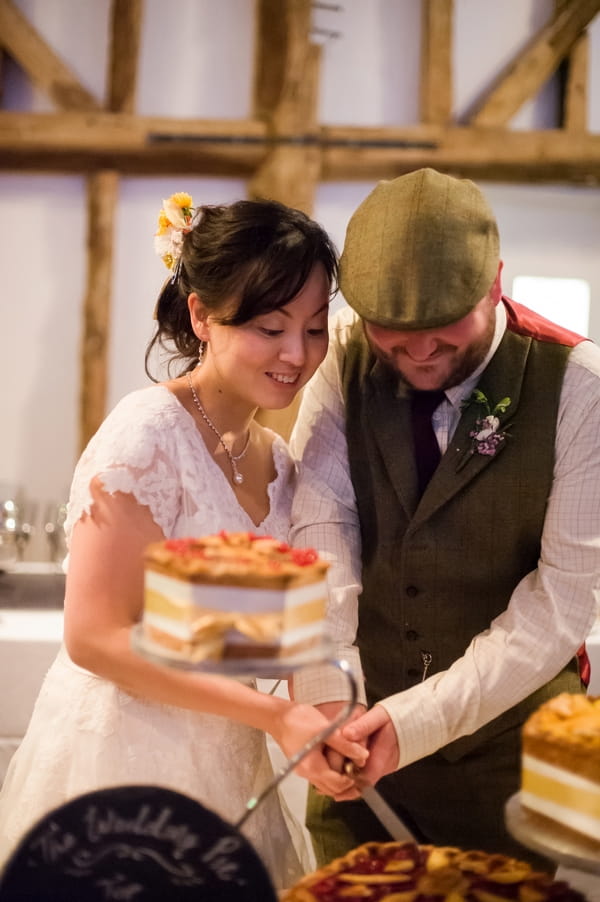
(201, 353)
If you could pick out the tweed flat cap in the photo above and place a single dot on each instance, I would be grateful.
(420, 251)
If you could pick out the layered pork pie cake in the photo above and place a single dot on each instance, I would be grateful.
(561, 762)
(406, 872)
(233, 595)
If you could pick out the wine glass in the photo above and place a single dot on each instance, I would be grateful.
(8, 530)
(17, 516)
(54, 523)
(26, 517)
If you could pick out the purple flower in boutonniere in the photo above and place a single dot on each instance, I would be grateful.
(485, 437)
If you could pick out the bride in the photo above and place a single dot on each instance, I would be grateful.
(244, 319)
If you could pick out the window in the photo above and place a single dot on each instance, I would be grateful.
(564, 301)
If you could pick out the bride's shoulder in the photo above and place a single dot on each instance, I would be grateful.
(142, 404)
(144, 416)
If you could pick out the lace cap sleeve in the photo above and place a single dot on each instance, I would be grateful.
(134, 451)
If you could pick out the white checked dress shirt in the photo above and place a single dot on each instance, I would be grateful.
(551, 610)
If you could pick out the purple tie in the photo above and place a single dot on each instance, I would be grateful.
(427, 451)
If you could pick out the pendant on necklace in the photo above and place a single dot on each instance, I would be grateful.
(233, 459)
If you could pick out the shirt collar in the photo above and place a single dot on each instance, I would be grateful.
(459, 393)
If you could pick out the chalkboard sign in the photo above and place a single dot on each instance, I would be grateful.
(132, 844)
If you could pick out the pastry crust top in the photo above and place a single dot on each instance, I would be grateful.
(236, 558)
(407, 872)
(565, 731)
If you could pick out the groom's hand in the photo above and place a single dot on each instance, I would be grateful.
(376, 729)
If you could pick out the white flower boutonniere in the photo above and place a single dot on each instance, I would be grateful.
(486, 439)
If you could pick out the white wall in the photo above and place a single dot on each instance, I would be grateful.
(199, 63)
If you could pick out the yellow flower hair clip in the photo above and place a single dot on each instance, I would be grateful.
(174, 222)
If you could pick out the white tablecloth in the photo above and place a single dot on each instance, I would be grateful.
(29, 641)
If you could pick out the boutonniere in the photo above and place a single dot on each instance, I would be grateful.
(485, 437)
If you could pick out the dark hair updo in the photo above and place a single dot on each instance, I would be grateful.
(242, 260)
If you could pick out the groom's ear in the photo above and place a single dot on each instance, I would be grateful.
(496, 290)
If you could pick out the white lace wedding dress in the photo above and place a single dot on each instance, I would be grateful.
(87, 734)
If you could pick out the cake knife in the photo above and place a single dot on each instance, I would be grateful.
(384, 813)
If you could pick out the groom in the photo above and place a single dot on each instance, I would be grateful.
(461, 587)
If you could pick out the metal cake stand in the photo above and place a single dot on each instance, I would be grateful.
(542, 835)
(268, 669)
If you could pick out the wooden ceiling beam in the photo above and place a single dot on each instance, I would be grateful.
(78, 142)
(286, 93)
(286, 85)
(125, 29)
(3, 61)
(103, 196)
(284, 119)
(44, 67)
(496, 154)
(574, 73)
(282, 50)
(84, 142)
(575, 98)
(270, 58)
(102, 199)
(524, 77)
(290, 170)
(436, 61)
(107, 132)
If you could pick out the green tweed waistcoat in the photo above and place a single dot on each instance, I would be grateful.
(437, 571)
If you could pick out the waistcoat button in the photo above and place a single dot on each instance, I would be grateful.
(411, 591)
(412, 635)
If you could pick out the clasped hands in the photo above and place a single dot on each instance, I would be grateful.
(372, 730)
(367, 739)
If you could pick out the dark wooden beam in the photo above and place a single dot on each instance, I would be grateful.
(436, 61)
(286, 91)
(553, 155)
(43, 66)
(76, 142)
(115, 133)
(103, 195)
(535, 64)
(125, 27)
(270, 58)
(103, 190)
(286, 100)
(575, 96)
(574, 74)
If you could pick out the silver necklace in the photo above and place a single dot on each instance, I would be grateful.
(233, 458)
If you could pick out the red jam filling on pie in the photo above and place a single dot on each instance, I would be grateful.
(406, 872)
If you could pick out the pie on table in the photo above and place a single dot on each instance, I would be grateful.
(406, 872)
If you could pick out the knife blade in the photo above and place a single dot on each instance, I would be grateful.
(384, 813)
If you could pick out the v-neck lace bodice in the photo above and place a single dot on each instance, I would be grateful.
(150, 447)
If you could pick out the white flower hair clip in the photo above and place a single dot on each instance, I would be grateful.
(174, 222)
